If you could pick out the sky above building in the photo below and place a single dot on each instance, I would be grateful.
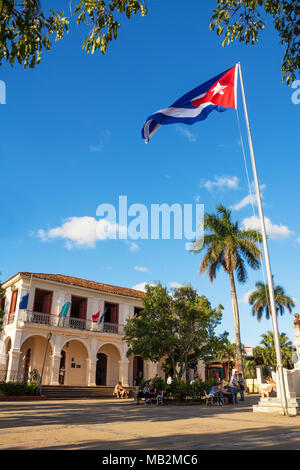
(70, 140)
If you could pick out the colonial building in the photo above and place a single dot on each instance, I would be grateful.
(72, 349)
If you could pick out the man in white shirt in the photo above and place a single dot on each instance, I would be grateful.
(233, 387)
(169, 379)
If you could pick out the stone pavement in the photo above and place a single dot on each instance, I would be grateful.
(113, 424)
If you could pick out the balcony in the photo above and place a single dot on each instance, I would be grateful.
(69, 322)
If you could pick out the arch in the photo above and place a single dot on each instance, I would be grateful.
(41, 334)
(116, 345)
(113, 356)
(39, 358)
(80, 340)
(76, 353)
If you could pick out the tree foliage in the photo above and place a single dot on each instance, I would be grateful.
(230, 248)
(243, 20)
(26, 30)
(177, 328)
(259, 299)
(266, 353)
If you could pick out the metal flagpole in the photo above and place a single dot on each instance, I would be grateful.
(267, 258)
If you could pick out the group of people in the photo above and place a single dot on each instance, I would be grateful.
(236, 385)
(148, 393)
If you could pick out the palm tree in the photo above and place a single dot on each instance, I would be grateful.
(230, 248)
(261, 304)
(268, 353)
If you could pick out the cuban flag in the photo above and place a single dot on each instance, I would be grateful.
(218, 93)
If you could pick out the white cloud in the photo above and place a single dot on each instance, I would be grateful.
(82, 231)
(186, 133)
(141, 286)
(174, 285)
(134, 247)
(298, 240)
(143, 269)
(245, 298)
(221, 182)
(250, 199)
(105, 134)
(273, 231)
(96, 148)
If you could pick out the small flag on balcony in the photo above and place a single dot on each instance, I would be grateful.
(24, 301)
(102, 316)
(97, 318)
(132, 316)
(64, 310)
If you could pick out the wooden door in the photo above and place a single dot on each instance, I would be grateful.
(101, 369)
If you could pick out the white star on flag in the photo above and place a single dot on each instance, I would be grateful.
(219, 89)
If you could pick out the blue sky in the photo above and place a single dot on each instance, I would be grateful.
(70, 140)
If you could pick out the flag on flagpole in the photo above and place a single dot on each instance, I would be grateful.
(218, 93)
(24, 302)
(64, 310)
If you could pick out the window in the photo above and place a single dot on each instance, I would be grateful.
(111, 318)
(2, 303)
(42, 301)
(78, 312)
(112, 313)
(13, 304)
(137, 311)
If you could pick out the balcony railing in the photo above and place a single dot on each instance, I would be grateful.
(69, 322)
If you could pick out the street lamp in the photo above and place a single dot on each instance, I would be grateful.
(39, 389)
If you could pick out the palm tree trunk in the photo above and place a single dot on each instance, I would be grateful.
(236, 320)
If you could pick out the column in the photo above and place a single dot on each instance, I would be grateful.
(123, 372)
(151, 369)
(259, 375)
(201, 369)
(13, 366)
(54, 369)
(91, 372)
(297, 339)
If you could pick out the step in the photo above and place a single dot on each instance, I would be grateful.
(72, 391)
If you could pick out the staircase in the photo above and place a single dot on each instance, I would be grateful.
(273, 405)
(62, 392)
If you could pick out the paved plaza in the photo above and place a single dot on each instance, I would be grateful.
(113, 424)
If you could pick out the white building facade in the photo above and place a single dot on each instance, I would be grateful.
(73, 350)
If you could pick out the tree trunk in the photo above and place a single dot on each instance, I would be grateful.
(236, 320)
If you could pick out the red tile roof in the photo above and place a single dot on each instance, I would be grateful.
(78, 282)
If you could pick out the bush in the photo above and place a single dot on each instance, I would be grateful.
(17, 389)
(179, 390)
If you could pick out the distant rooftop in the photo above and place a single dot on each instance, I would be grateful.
(78, 282)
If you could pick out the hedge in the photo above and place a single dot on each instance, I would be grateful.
(181, 390)
(17, 389)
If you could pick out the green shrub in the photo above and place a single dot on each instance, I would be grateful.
(179, 390)
(17, 389)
